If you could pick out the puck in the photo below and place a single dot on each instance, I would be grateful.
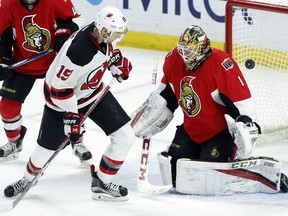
(249, 64)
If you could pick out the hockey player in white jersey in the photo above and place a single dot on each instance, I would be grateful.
(72, 84)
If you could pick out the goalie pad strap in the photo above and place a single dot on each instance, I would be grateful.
(165, 167)
(243, 176)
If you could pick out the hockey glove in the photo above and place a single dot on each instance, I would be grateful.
(248, 122)
(155, 117)
(5, 72)
(61, 35)
(72, 126)
(245, 133)
(120, 66)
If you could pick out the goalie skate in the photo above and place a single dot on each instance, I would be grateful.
(107, 191)
(16, 188)
(11, 150)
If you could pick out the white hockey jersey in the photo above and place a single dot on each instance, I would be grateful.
(74, 79)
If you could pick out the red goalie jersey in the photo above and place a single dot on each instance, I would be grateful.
(198, 92)
(31, 31)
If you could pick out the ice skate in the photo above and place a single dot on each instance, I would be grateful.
(107, 191)
(11, 150)
(283, 183)
(17, 187)
(80, 151)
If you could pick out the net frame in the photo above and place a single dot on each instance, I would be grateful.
(268, 68)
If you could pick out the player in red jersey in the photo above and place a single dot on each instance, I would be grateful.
(209, 87)
(27, 28)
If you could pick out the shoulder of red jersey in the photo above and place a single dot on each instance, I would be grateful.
(171, 54)
(6, 12)
(6, 5)
(170, 58)
(65, 9)
(224, 59)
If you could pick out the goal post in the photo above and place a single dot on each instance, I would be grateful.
(256, 36)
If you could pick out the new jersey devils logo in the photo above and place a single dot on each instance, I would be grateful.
(37, 39)
(189, 100)
(95, 76)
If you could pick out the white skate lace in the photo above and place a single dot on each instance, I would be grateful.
(9, 147)
(19, 186)
(112, 187)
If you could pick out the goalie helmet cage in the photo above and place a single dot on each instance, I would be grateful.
(256, 37)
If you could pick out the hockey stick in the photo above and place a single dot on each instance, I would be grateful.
(8, 207)
(143, 184)
(32, 58)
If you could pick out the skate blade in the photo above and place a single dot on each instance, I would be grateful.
(13, 156)
(106, 197)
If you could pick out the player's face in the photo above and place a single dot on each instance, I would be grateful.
(117, 36)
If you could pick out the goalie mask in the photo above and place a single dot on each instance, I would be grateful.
(114, 21)
(194, 47)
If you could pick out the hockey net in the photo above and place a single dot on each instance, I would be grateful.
(256, 35)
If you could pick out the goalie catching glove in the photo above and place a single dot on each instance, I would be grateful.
(120, 66)
(155, 118)
(245, 133)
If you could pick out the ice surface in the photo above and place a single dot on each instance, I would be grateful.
(64, 190)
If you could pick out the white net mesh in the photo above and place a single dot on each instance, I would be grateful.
(261, 36)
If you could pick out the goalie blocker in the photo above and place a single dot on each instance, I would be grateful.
(252, 175)
(155, 117)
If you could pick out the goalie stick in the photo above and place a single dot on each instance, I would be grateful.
(143, 184)
(10, 206)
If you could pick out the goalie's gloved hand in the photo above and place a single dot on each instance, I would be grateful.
(248, 122)
(245, 133)
(72, 126)
(5, 72)
(120, 66)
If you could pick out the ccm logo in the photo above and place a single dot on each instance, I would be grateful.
(244, 164)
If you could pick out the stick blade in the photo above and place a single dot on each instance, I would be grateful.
(146, 187)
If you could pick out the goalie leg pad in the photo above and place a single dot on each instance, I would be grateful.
(243, 176)
(165, 167)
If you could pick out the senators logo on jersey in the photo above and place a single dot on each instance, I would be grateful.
(37, 39)
(189, 100)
